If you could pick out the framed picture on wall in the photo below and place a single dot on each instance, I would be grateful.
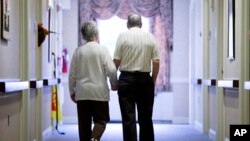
(231, 30)
(5, 16)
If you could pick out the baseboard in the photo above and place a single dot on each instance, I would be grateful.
(180, 120)
(154, 121)
(47, 132)
(162, 121)
(226, 139)
(198, 126)
(70, 120)
(74, 120)
(212, 134)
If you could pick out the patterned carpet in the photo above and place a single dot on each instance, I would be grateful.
(163, 132)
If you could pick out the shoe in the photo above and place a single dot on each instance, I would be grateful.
(93, 139)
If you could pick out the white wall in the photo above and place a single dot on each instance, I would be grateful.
(9, 50)
(180, 61)
(70, 41)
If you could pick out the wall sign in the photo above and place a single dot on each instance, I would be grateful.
(5, 15)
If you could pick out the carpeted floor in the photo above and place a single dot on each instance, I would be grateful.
(163, 132)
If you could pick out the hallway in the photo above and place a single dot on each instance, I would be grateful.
(163, 132)
(209, 71)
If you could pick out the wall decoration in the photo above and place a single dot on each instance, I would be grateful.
(231, 30)
(49, 42)
(5, 15)
(42, 33)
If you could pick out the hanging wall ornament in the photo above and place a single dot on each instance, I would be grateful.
(42, 33)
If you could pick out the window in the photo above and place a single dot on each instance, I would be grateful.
(110, 29)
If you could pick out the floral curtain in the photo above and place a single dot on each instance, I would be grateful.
(160, 13)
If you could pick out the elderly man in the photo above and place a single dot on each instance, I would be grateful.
(134, 53)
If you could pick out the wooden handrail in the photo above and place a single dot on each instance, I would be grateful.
(18, 85)
(247, 85)
(209, 82)
(11, 86)
(228, 83)
(51, 82)
(197, 81)
(36, 83)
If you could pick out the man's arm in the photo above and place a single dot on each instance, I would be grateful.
(117, 64)
(155, 71)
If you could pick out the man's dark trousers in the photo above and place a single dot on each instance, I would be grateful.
(136, 89)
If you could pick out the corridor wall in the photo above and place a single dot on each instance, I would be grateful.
(25, 109)
(224, 100)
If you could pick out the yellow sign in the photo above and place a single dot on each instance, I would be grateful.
(56, 112)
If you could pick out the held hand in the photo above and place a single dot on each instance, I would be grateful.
(73, 97)
(114, 87)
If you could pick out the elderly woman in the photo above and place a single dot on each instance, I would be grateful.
(90, 67)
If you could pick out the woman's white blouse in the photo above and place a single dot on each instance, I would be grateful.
(90, 66)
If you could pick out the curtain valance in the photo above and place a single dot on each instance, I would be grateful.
(104, 9)
(147, 8)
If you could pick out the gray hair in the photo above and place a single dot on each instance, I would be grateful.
(134, 20)
(89, 31)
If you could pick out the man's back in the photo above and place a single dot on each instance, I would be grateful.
(138, 48)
